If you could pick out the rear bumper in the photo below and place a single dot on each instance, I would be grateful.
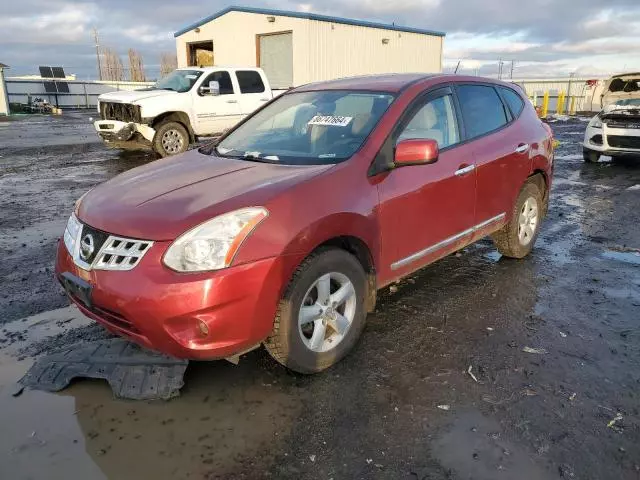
(162, 310)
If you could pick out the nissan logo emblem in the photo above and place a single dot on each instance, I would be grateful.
(86, 246)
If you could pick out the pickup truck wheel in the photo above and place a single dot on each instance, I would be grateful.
(321, 314)
(171, 139)
(516, 238)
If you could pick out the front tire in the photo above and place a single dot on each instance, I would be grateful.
(590, 156)
(516, 238)
(171, 138)
(321, 314)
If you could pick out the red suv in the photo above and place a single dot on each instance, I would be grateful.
(282, 231)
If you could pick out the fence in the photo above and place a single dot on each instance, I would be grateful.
(579, 96)
(565, 95)
(82, 94)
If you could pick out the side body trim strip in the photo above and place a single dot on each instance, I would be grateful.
(447, 241)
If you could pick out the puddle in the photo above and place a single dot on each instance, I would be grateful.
(41, 326)
(494, 256)
(475, 448)
(626, 257)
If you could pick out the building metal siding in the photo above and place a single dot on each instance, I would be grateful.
(345, 50)
(321, 50)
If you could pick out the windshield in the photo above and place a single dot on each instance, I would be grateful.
(178, 80)
(307, 128)
(629, 102)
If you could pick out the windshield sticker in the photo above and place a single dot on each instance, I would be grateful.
(330, 120)
(191, 77)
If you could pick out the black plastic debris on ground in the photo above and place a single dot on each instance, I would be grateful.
(132, 372)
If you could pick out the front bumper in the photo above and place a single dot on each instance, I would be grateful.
(117, 131)
(603, 140)
(161, 309)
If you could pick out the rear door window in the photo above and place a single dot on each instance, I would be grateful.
(250, 81)
(515, 102)
(482, 109)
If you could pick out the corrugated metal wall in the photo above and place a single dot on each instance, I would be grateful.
(339, 50)
(321, 50)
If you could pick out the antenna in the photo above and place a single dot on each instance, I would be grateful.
(95, 37)
(457, 66)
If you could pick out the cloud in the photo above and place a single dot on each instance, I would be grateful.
(556, 36)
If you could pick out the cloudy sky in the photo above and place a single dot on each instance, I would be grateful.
(544, 37)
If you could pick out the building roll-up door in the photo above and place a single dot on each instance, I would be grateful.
(276, 59)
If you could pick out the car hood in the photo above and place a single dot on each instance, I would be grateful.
(163, 199)
(133, 96)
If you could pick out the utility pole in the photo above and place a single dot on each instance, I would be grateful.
(512, 65)
(95, 37)
(500, 63)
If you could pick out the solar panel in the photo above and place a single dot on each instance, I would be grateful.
(46, 72)
(58, 72)
(63, 87)
(50, 87)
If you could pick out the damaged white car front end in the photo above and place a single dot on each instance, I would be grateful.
(615, 132)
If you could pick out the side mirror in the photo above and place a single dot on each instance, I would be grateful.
(416, 152)
(212, 89)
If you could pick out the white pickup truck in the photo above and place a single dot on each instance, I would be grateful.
(186, 104)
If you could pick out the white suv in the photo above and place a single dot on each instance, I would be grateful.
(615, 131)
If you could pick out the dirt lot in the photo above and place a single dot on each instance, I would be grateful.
(403, 405)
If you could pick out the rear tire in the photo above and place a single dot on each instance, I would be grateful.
(516, 238)
(171, 138)
(294, 341)
(590, 156)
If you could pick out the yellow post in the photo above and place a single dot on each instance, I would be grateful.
(573, 106)
(545, 104)
(560, 103)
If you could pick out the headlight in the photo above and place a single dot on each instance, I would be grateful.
(595, 122)
(71, 233)
(213, 244)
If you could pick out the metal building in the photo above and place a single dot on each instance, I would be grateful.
(295, 48)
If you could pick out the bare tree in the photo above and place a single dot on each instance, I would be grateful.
(112, 68)
(136, 67)
(168, 63)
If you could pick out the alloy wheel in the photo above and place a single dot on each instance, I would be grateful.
(327, 312)
(528, 221)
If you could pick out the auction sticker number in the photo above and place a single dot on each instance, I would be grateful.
(330, 120)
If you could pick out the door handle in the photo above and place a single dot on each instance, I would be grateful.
(232, 101)
(464, 170)
(522, 148)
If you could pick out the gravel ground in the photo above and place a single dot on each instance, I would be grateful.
(442, 385)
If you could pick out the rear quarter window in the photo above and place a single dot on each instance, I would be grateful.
(482, 109)
(515, 102)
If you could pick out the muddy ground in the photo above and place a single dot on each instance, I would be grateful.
(402, 405)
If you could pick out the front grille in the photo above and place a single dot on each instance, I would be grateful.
(91, 241)
(124, 112)
(623, 123)
(121, 253)
(618, 141)
(99, 250)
